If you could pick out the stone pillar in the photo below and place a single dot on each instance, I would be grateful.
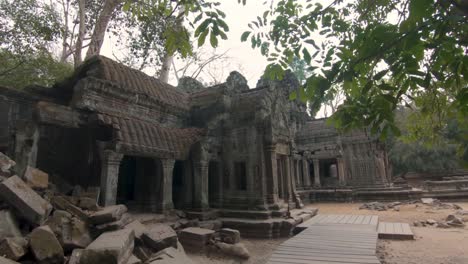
(341, 172)
(110, 163)
(165, 203)
(26, 141)
(305, 172)
(317, 173)
(271, 175)
(200, 185)
(289, 180)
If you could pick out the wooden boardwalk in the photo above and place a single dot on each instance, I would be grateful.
(395, 230)
(331, 239)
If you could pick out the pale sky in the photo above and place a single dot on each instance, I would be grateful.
(242, 57)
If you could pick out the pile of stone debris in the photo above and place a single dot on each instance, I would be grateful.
(433, 203)
(452, 220)
(39, 224)
(379, 206)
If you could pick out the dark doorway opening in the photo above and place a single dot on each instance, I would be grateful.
(126, 181)
(329, 172)
(178, 184)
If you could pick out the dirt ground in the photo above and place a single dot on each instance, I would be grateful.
(431, 246)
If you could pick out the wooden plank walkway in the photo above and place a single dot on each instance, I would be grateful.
(371, 220)
(331, 239)
(395, 230)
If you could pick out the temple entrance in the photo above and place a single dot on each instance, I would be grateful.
(329, 172)
(126, 181)
(214, 184)
(178, 184)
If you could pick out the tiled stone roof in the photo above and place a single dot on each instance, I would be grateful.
(133, 81)
(136, 136)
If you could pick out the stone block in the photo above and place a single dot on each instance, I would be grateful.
(7, 261)
(236, 250)
(36, 178)
(87, 203)
(60, 202)
(13, 247)
(112, 226)
(6, 163)
(159, 237)
(215, 225)
(229, 236)
(75, 256)
(111, 248)
(8, 224)
(138, 229)
(25, 200)
(108, 214)
(195, 237)
(169, 255)
(142, 252)
(75, 234)
(134, 260)
(45, 246)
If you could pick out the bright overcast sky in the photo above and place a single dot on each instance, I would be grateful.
(242, 57)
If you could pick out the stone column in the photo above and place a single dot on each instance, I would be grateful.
(271, 175)
(289, 180)
(110, 163)
(200, 185)
(165, 203)
(341, 172)
(316, 173)
(305, 172)
(26, 141)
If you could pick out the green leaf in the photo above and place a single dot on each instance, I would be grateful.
(307, 56)
(245, 35)
(213, 40)
(202, 37)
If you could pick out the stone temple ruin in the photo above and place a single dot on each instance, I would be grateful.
(226, 150)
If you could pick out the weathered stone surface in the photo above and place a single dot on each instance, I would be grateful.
(108, 214)
(195, 237)
(88, 204)
(36, 178)
(427, 200)
(13, 247)
(116, 225)
(142, 252)
(60, 202)
(211, 224)
(75, 256)
(25, 200)
(7, 261)
(6, 163)
(454, 220)
(45, 245)
(8, 224)
(229, 236)
(159, 237)
(236, 250)
(134, 260)
(112, 247)
(75, 234)
(169, 255)
(138, 229)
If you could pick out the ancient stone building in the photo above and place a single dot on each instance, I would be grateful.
(244, 152)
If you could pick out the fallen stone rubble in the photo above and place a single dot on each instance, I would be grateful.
(452, 220)
(430, 202)
(40, 224)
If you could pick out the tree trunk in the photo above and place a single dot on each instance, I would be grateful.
(166, 67)
(101, 26)
(81, 33)
(63, 56)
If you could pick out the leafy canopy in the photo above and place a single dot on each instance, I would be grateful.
(382, 53)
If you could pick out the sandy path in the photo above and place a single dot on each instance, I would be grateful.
(432, 245)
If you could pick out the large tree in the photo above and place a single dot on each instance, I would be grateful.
(381, 53)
